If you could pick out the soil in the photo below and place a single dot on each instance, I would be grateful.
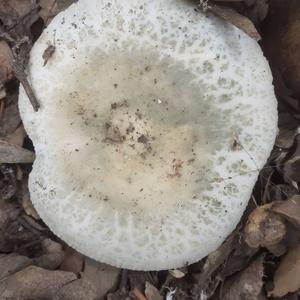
(259, 260)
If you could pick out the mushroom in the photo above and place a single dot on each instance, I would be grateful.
(154, 122)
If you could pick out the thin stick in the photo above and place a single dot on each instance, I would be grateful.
(19, 72)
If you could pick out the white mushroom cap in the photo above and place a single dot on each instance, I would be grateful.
(154, 122)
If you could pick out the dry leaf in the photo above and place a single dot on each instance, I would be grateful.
(34, 283)
(12, 154)
(215, 259)
(247, 284)
(257, 10)
(291, 166)
(17, 137)
(6, 61)
(12, 263)
(18, 16)
(73, 261)
(26, 202)
(10, 120)
(138, 278)
(236, 19)
(287, 276)
(52, 257)
(102, 276)
(50, 8)
(8, 182)
(137, 294)
(290, 209)
(151, 292)
(264, 228)
(178, 273)
(81, 289)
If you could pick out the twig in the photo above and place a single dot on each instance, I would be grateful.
(19, 71)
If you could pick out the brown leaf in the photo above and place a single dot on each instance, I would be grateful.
(81, 289)
(247, 284)
(10, 120)
(264, 228)
(138, 278)
(137, 294)
(13, 154)
(26, 202)
(17, 137)
(12, 263)
(34, 283)
(178, 273)
(17, 16)
(9, 212)
(52, 256)
(73, 261)
(236, 19)
(6, 61)
(290, 209)
(50, 8)
(216, 259)
(8, 182)
(102, 276)
(282, 40)
(257, 10)
(287, 276)
(151, 292)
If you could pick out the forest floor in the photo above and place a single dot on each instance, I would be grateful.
(259, 260)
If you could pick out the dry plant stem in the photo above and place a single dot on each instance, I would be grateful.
(19, 72)
(124, 279)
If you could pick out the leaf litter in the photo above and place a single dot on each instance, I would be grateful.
(259, 260)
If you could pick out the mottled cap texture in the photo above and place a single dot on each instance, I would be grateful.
(155, 120)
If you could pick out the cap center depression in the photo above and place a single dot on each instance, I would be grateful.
(146, 130)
